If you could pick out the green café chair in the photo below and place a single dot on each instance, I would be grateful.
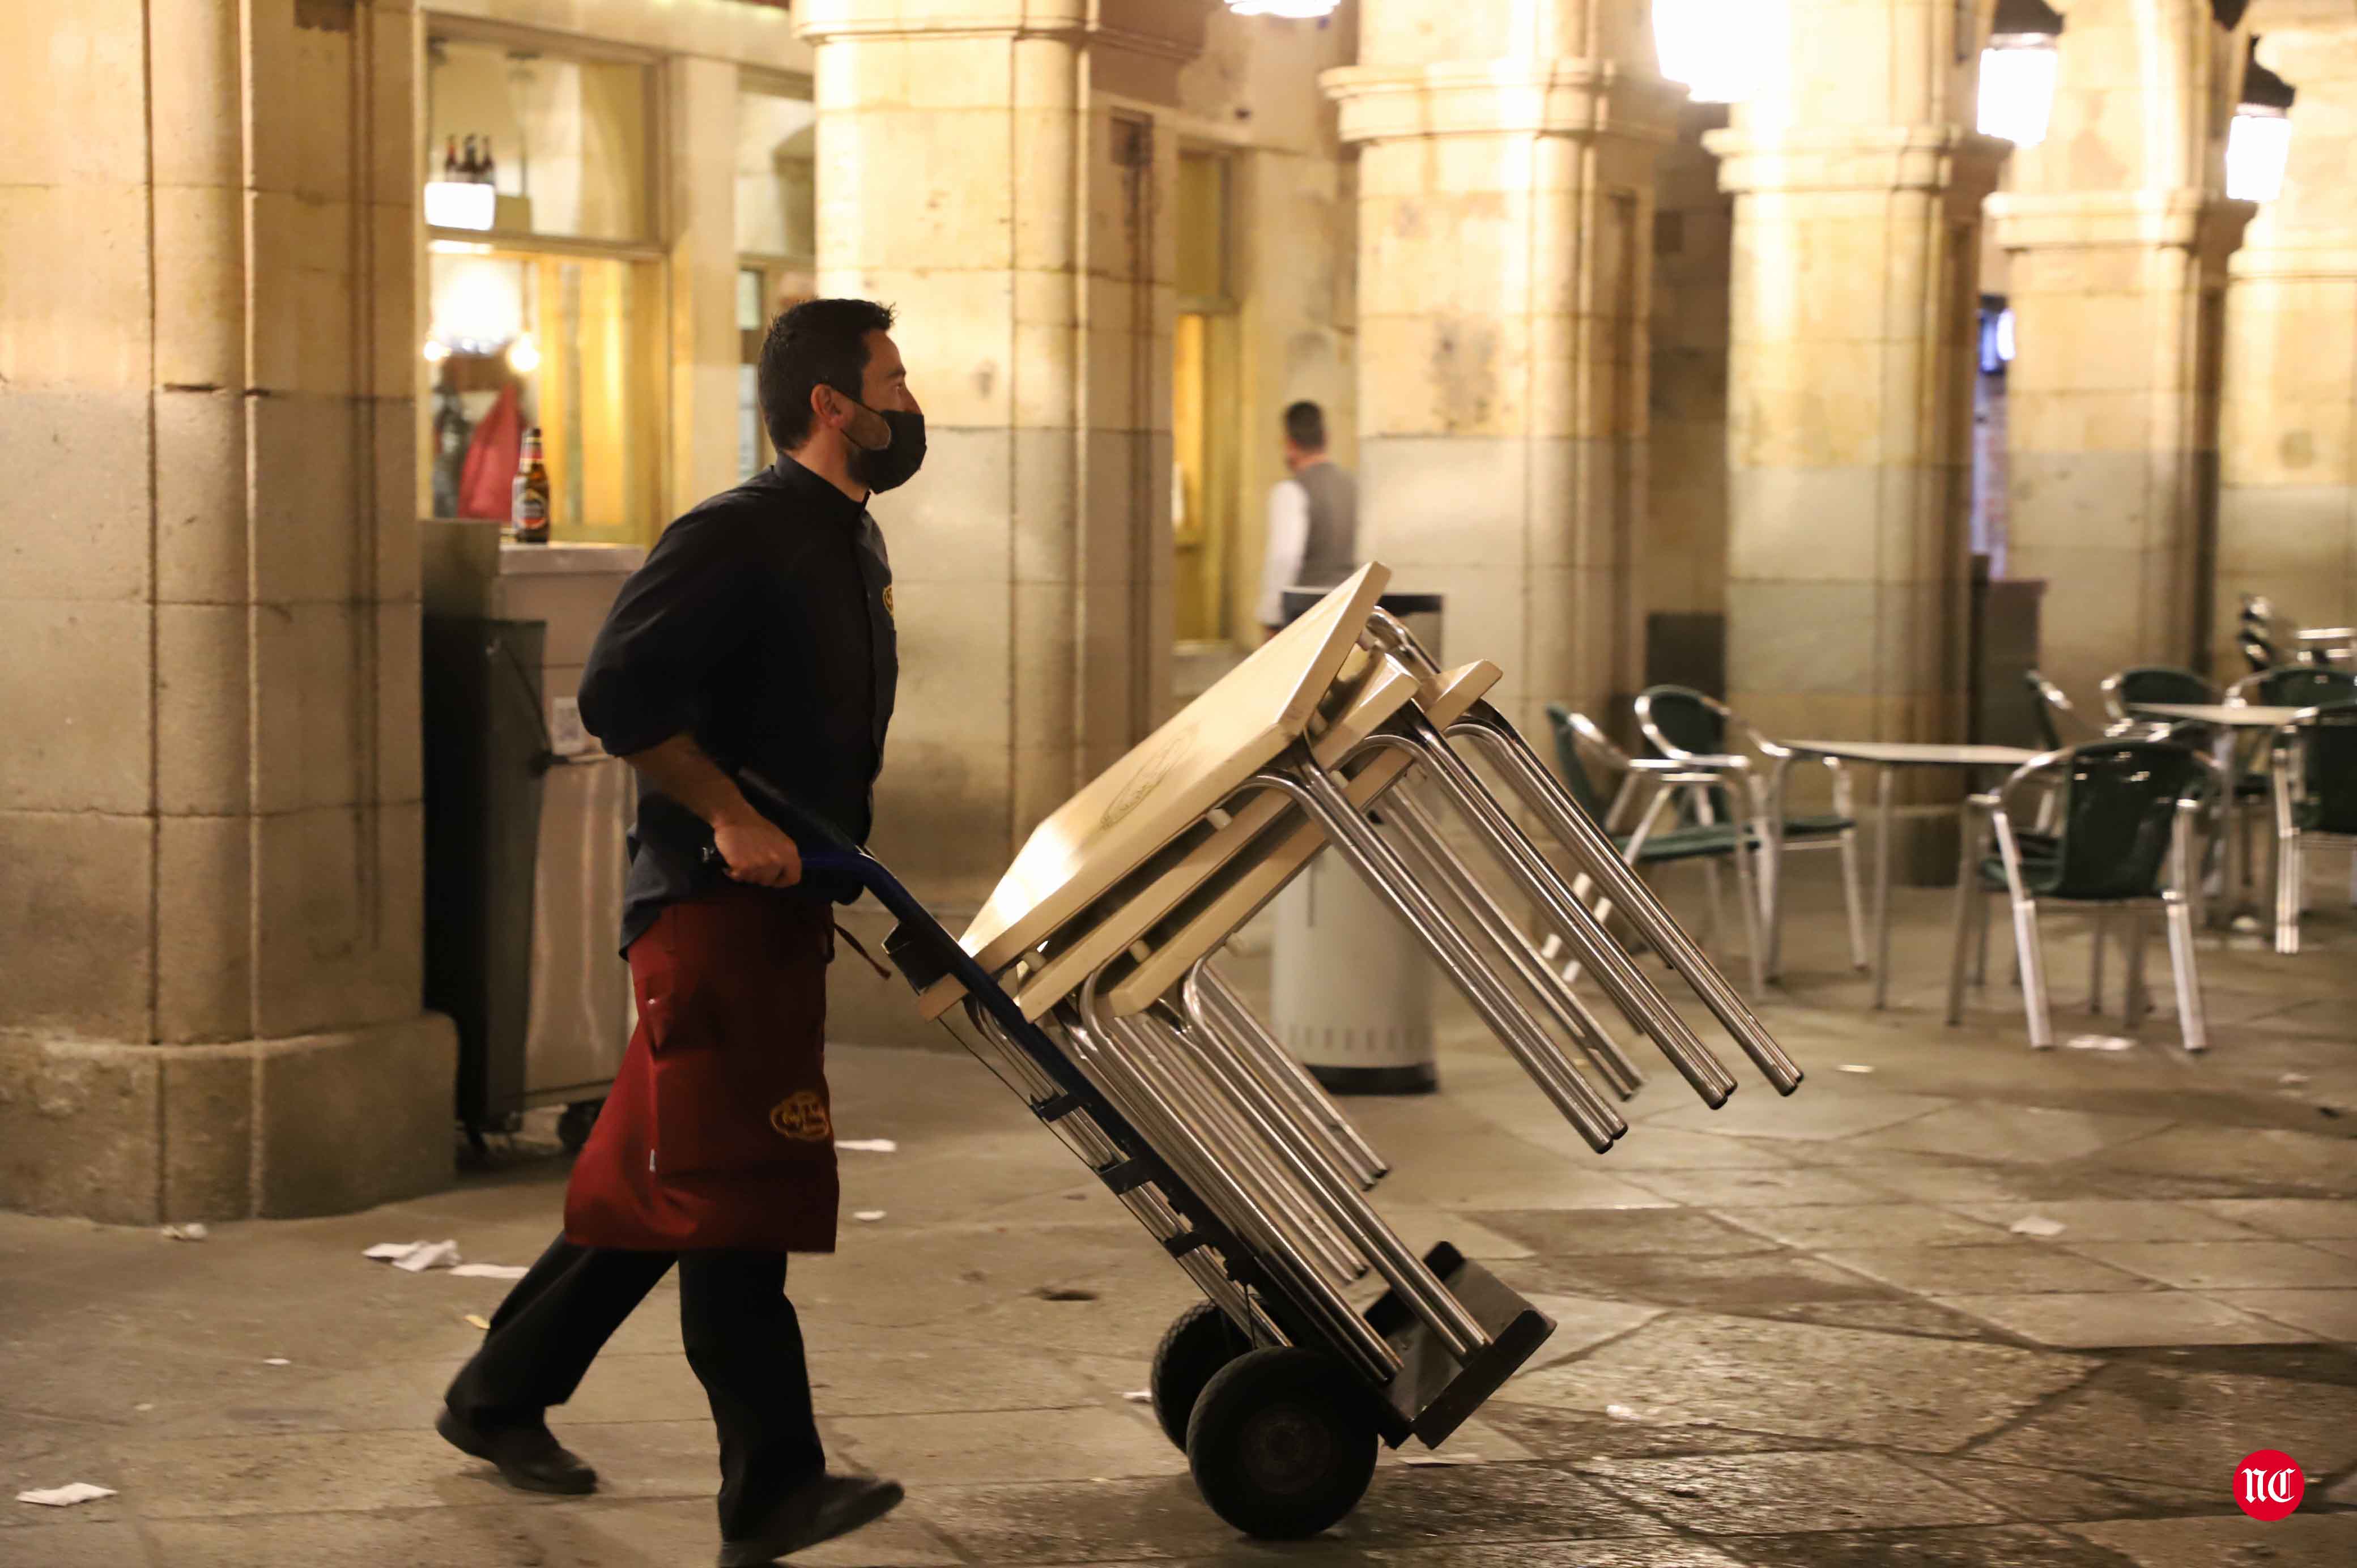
(2294, 686)
(1702, 735)
(2124, 845)
(2315, 787)
(2060, 723)
(1578, 741)
(2150, 683)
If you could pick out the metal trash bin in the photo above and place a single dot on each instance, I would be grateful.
(1352, 990)
(526, 819)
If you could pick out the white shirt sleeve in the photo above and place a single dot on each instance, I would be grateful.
(1289, 541)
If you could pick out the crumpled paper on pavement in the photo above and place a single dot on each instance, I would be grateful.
(2036, 1225)
(65, 1496)
(416, 1256)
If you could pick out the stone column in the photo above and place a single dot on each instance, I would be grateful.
(974, 172)
(210, 801)
(1858, 181)
(2118, 237)
(2287, 509)
(1505, 232)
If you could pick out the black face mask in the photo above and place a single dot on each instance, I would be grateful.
(892, 464)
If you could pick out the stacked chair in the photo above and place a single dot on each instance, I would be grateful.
(1089, 982)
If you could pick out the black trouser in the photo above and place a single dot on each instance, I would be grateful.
(741, 1335)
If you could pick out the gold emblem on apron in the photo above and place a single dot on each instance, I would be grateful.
(803, 1115)
(887, 600)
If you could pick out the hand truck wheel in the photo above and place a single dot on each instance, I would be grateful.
(572, 1126)
(1196, 1346)
(1280, 1443)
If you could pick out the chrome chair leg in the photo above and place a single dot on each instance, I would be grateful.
(1967, 875)
(1544, 885)
(1381, 867)
(1980, 933)
(2095, 969)
(2033, 971)
(2190, 1018)
(2136, 1003)
(1426, 852)
(1854, 899)
(2025, 935)
(2289, 873)
(1746, 895)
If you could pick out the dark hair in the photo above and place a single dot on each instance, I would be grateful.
(820, 342)
(1304, 426)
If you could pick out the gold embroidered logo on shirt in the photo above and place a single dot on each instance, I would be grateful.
(887, 599)
(803, 1115)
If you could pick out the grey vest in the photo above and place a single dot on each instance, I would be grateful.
(1332, 552)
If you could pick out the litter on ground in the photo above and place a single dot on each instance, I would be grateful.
(416, 1256)
(2036, 1225)
(67, 1496)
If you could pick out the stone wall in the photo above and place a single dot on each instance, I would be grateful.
(210, 923)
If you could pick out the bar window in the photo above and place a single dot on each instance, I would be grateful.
(545, 290)
(519, 141)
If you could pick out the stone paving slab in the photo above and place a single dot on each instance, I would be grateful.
(1778, 1494)
(2016, 1268)
(2114, 1319)
(1849, 1385)
(2303, 1540)
(2300, 1218)
(2149, 1423)
(2227, 1265)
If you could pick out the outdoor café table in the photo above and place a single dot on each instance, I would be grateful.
(2227, 718)
(1889, 755)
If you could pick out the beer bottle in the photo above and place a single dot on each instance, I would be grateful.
(472, 166)
(450, 159)
(529, 508)
(489, 164)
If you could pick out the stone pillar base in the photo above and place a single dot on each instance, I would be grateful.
(142, 1134)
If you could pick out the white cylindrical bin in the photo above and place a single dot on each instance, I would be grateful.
(1352, 985)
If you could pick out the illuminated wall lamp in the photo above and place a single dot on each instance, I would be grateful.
(2017, 72)
(1717, 48)
(2258, 141)
(460, 204)
(1293, 10)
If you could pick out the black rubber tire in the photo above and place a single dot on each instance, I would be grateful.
(572, 1126)
(1281, 1443)
(1198, 1342)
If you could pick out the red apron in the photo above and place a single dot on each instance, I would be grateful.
(718, 1132)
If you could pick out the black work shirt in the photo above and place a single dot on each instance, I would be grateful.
(761, 624)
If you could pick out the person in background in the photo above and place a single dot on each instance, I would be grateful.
(1313, 519)
(755, 644)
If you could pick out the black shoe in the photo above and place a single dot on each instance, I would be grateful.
(820, 1510)
(530, 1457)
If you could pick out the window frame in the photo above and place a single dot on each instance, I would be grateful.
(649, 415)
